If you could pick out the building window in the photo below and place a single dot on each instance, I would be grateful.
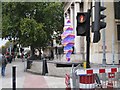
(81, 6)
(117, 9)
(118, 32)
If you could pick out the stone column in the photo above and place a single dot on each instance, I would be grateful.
(72, 15)
(77, 38)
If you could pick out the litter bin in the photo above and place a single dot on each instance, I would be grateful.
(29, 63)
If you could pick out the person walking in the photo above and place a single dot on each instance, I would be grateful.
(4, 63)
(8, 56)
(22, 57)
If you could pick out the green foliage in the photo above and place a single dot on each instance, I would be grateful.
(31, 23)
(7, 44)
(4, 47)
(3, 50)
(54, 18)
(28, 27)
(32, 32)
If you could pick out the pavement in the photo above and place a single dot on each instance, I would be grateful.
(53, 70)
(29, 79)
(37, 68)
(33, 78)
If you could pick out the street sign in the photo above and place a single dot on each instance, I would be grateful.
(111, 75)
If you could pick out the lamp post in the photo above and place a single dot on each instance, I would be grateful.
(103, 39)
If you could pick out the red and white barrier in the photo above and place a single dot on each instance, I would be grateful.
(87, 82)
(87, 77)
(96, 70)
(67, 82)
(110, 82)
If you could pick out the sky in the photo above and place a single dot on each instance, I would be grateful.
(2, 42)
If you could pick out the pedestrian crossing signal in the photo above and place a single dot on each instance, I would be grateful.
(83, 23)
(82, 18)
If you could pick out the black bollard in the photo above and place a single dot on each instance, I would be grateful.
(28, 64)
(44, 69)
(14, 77)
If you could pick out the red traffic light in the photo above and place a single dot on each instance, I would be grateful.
(83, 23)
(81, 18)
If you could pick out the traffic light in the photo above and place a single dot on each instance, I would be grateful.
(98, 21)
(83, 23)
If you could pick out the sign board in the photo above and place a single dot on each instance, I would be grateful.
(111, 75)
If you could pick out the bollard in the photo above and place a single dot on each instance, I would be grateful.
(44, 69)
(84, 64)
(14, 77)
(25, 65)
(29, 63)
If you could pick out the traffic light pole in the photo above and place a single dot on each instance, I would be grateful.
(88, 49)
(83, 29)
(88, 44)
(103, 39)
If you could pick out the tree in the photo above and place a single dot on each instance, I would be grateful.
(53, 19)
(32, 24)
(33, 34)
(3, 49)
(12, 14)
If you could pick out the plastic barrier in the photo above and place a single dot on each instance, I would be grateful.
(67, 82)
(107, 76)
(93, 78)
(87, 82)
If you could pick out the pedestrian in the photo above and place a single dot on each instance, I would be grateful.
(56, 52)
(8, 56)
(22, 57)
(52, 55)
(13, 56)
(4, 63)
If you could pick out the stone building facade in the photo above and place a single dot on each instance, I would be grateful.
(110, 36)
